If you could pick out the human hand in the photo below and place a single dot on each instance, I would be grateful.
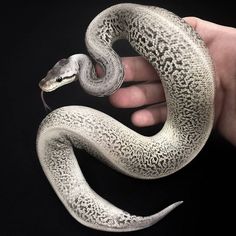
(221, 42)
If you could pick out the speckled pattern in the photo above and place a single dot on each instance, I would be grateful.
(187, 75)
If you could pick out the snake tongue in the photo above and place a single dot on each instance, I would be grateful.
(47, 108)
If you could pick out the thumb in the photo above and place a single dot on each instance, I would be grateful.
(207, 30)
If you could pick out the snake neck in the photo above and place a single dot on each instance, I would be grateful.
(90, 82)
(85, 72)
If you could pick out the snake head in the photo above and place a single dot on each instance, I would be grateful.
(63, 72)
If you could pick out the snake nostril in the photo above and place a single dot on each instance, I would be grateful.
(41, 84)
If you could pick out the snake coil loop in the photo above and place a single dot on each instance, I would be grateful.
(179, 55)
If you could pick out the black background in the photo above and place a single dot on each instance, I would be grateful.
(34, 37)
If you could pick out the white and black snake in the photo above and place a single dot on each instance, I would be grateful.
(179, 55)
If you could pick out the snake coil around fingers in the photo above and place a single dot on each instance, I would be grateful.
(179, 55)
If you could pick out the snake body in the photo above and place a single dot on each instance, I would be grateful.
(179, 55)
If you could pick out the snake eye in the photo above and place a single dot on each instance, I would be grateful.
(59, 79)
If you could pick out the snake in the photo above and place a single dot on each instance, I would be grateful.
(183, 63)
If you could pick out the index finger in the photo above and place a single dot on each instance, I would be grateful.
(138, 69)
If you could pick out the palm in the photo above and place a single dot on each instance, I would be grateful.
(221, 44)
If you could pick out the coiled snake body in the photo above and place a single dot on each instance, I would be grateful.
(187, 75)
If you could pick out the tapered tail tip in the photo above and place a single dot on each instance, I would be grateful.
(178, 203)
(153, 219)
(158, 216)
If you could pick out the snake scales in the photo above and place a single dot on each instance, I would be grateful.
(179, 55)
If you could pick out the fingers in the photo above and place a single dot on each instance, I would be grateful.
(99, 70)
(138, 95)
(152, 115)
(138, 69)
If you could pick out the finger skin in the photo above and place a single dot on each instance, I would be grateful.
(138, 95)
(151, 115)
(138, 69)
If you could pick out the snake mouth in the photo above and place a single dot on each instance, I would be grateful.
(46, 90)
(43, 85)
